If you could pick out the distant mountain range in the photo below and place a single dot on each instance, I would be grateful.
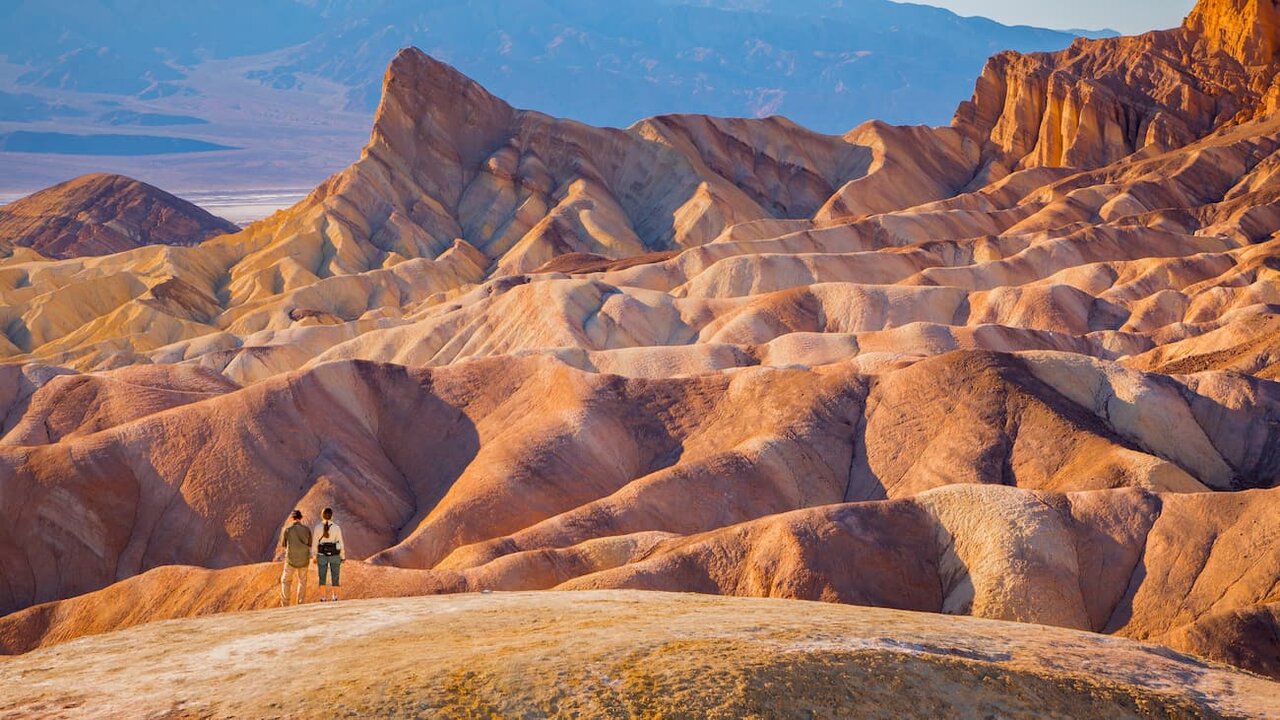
(292, 83)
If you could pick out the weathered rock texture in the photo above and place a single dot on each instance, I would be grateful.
(617, 655)
(526, 474)
(1247, 30)
(102, 214)
(1102, 100)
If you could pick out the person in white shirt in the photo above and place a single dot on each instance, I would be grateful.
(328, 552)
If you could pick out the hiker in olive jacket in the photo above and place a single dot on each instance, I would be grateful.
(296, 540)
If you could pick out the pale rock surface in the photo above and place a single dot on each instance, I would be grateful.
(612, 654)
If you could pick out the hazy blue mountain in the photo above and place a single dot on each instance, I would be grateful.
(132, 117)
(268, 74)
(824, 63)
(23, 107)
(101, 144)
(828, 65)
(125, 46)
(1094, 34)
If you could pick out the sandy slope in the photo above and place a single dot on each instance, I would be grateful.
(615, 654)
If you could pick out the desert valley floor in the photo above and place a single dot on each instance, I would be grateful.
(1024, 368)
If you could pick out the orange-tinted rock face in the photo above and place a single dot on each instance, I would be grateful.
(1101, 100)
(448, 160)
(520, 474)
(102, 214)
(1247, 30)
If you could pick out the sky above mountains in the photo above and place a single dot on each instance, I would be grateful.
(1128, 16)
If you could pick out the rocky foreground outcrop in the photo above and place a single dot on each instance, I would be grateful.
(616, 654)
(102, 214)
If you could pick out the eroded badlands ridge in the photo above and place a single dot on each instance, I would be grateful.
(526, 474)
(102, 214)
(1021, 368)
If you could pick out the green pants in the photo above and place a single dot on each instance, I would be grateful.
(329, 564)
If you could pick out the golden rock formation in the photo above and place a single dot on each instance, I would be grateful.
(1102, 100)
(1247, 30)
